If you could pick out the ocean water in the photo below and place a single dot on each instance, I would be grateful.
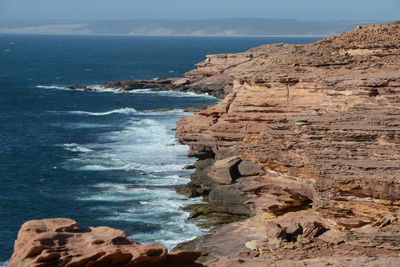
(100, 158)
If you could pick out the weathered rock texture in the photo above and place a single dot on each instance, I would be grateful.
(314, 127)
(59, 242)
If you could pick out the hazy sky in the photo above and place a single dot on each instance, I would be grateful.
(385, 10)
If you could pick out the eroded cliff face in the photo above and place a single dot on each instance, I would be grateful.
(317, 125)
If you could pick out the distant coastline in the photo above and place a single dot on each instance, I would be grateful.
(194, 36)
(235, 27)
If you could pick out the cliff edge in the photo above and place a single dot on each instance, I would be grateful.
(307, 141)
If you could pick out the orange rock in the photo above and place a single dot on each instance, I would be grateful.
(59, 242)
(319, 117)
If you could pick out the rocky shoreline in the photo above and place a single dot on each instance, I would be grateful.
(305, 144)
(213, 88)
(315, 126)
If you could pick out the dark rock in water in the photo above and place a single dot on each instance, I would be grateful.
(132, 186)
(201, 210)
(229, 199)
(167, 84)
(162, 110)
(189, 167)
(156, 85)
(199, 178)
(157, 110)
(187, 191)
(196, 108)
(79, 87)
(209, 217)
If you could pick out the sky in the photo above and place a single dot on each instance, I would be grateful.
(380, 10)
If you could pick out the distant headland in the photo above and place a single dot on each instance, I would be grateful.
(177, 27)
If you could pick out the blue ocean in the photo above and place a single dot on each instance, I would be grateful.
(100, 158)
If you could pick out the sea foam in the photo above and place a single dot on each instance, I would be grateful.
(125, 111)
(52, 87)
(145, 163)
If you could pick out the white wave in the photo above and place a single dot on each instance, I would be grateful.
(171, 93)
(84, 125)
(101, 89)
(146, 145)
(167, 180)
(113, 166)
(52, 87)
(126, 111)
(4, 263)
(76, 148)
(110, 197)
(174, 230)
(99, 167)
(110, 186)
(177, 112)
(140, 91)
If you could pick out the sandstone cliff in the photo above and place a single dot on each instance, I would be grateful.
(307, 138)
(306, 142)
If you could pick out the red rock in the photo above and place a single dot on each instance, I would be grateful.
(59, 242)
(225, 171)
(319, 117)
(321, 122)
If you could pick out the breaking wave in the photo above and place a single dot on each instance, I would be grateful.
(126, 111)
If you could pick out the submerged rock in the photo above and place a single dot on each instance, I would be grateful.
(79, 87)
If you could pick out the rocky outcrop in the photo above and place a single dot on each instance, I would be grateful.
(187, 84)
(59, 242)
(315, 127)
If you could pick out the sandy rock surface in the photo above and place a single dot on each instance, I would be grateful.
(59, 242)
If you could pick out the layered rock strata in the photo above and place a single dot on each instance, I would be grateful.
(306, 142)
(315, 128)
(59, 242)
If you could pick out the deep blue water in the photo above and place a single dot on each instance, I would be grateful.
(66, 153)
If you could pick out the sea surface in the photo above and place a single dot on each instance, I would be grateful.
(100, 158)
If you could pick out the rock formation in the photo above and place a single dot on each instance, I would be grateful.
(316, 130)
(306, 142)
(190, 84)
(59, 242)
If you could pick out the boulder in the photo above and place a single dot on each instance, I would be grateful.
(59, 242)
(248, 168)
(225, 171)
